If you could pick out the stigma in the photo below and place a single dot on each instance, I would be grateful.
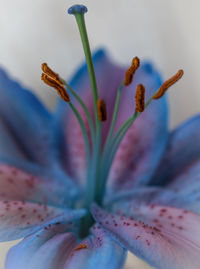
(77, 9)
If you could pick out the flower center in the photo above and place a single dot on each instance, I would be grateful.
(99, 160)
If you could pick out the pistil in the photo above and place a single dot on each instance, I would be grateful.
(78, 11)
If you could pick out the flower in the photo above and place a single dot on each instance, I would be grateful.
(139, 181)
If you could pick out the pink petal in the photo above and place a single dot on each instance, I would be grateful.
(16, 184)
(165, 237)
(143, 145)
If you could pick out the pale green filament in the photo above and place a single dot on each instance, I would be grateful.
(114, 116)
(87, 113)
(84, 132)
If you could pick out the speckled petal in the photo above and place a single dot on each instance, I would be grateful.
(97, 251)
(25, 121)
(19, 219)
(183, 150)
(19, 185)
(47, 248)
(165, 237)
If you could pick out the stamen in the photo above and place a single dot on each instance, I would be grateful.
(139, 98)
(168, 83)
(101, 109)
(131, 71)
(57, 86)
(50, 73)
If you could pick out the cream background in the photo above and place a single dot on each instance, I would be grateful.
(166, 31)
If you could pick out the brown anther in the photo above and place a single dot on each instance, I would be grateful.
(50, 73)
(136, 63)
(168, 83)
(80, 246)
(101, 109)
(57, 86)
(140, 98)
(131, 71)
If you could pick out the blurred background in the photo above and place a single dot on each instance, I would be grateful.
(166, 32)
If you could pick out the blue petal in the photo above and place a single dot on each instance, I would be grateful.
(8, 144)
(19, 219)
(27, 122)
(182, 151)
(50, 248)
(56, 247)
(97, 251)
(47, 248)
(165, 237)
(186, 188)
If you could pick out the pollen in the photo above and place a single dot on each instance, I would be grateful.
(168, 83)
(140, 98)
(81, 246)
(131, 71)
(57, 86)
(50, 73)
(101, 109)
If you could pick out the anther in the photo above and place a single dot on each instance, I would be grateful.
(57, 86)
(101, 109)
(50, 73)
(168, 83)
(81, 246)
(140, 98)
(131, 71)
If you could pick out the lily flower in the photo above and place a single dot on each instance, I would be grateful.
(101, 175)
